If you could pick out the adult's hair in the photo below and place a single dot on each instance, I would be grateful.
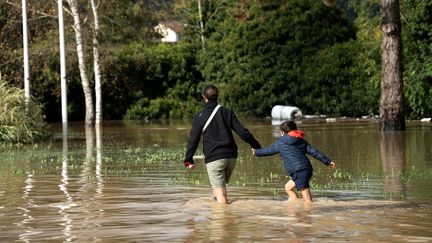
(211, 92)
(288, 126)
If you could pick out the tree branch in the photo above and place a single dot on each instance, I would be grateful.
(44, 15)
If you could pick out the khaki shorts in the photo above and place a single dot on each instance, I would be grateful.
(220, 171)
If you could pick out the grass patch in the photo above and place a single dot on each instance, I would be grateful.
(19, 122)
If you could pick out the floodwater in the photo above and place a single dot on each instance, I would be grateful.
(125, 182)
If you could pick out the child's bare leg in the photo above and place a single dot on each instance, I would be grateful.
(306, 194)
(289, 188)
(221, 195)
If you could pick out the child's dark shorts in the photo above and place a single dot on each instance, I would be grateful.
(301, 178)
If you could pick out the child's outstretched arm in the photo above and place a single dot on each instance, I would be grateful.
(332, 165)
(318, 155)
(269, 150)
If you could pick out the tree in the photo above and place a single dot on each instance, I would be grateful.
(123, 24)
(417, 39)
(201, 24)
(96, 63)
(201, 17)
(89, 117)
(392, 113)
(257, 50)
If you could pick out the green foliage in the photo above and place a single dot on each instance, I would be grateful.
(181, 102)
(257, 60)
(417, 38)
(323, 59)
(124, 21)
(136, 72)
(121, 22)
(18, 123)
(213, 13)
(333, 83)
(161, 108)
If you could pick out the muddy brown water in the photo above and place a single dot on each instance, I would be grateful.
(125, 183)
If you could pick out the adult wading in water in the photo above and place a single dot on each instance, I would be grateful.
(216, 123)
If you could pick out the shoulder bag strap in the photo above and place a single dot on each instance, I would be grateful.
(211, 117)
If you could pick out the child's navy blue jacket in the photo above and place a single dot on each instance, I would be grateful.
(293, 149)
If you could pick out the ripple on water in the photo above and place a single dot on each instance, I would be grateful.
(332, 220)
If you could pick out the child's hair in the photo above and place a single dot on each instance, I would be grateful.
(288, 126)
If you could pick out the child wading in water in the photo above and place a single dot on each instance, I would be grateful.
(293, 149)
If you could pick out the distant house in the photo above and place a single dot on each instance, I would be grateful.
(171, 31)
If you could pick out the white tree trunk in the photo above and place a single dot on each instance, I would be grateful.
(89, 116)
(201, 24)
(96, 66)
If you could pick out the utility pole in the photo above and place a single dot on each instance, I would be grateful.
(26, 53)
(62, 66)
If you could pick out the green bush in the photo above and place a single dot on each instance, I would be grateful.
(261, 59)
(19, 123)
(166, 86)
(334, 81)
(137, 71)
(417, 39)
(161, 108)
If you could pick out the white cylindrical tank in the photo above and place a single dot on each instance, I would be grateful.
(282, 112)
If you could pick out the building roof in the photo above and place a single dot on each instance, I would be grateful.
(176, 26)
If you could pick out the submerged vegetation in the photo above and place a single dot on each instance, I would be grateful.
(19, 122)
(157, 160)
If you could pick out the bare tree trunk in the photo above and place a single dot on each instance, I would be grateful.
(96, 66)
(201, 24)
(392, 113)
(89, 116)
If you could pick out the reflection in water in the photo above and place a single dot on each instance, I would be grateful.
(298, 210)
(27, 217)
(87, 166)
(221, 224)
(74, 198)
(69, 203)
(248, 219)
(392, 151)
(90, 194)
(84, 211)
(326, 220)
(99, 179)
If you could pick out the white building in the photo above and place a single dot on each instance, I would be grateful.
(171, 31)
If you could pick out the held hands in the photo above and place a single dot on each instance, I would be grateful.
(332, 165)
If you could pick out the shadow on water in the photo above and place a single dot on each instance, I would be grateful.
(125, 182)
